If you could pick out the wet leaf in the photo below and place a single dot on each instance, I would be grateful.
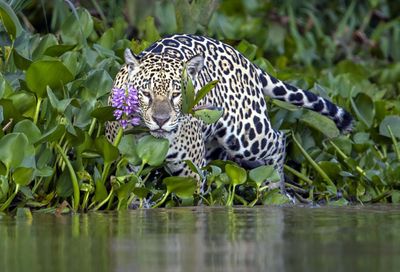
(12, 149)
(236, 174)
(364, 108)
(263, 173)
(183, 187)
(29, 129)
(23, 176)
(10, 20)
(392, 121)
(43, 73)
(152, 150)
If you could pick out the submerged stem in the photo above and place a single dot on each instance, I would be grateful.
(74, 179)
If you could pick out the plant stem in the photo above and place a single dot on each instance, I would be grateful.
(298, 174)
(104, 201)
(37, 110)
(72, 173)
(162, 200)
(107, 165)
(395, 143)
(92, 126)
(10, 199)
(315, 165)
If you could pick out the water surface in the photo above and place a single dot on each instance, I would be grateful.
(206, 239)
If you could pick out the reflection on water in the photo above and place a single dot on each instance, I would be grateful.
(206, 239)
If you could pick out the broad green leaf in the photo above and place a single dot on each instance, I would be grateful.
(152, 150)
(332, 169)
(64, 187)
(24, 103)
(208, 116)
(12, 149)
(43, 73)
(77, 27)
(45, 42)
(321, 123)
(236, 174)
(1, 114)
(58, 49)
(125, 190)
(29, 129)
(183, 187)
(127, 148)
(23, 176)
(392, 121)
(364, 108)
(264, 173)
(10, 20)
(141, 192)
(103, 114)
(20, 61)
(274, 197)
(106, 149)
(54, 134)
(204, 91)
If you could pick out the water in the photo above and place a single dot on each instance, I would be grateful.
(206, 239)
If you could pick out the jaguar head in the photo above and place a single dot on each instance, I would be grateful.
(157, 77)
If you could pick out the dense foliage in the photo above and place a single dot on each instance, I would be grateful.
(58, 60)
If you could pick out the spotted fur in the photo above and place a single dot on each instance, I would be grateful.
(244, 133)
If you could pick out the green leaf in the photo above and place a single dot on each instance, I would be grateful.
(29, 129)
(141, 192)
(274, 197)
(58, 49)
(187, 92)
(209, 116)
(106, 149)
(392, 121)
(321, 123)
(364, 108)
(23, 176)
(12, 149)
(127, 148)
(59, 105)
(236, 174)
(183, 187)
(100, 192)
(204, 91)
(103, 114)
(54, 134)
(152, 150)
(43, 73)
(20, 61)
(262, 173)
(77, 27)
(10, 20)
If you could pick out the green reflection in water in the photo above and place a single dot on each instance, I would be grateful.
(206, 239)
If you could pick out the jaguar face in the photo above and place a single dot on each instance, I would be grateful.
(157, 77)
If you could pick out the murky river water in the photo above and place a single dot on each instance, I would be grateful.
(206, 239)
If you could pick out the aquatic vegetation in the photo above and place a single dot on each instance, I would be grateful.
(55, 78)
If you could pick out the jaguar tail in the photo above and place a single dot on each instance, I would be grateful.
(280, 90)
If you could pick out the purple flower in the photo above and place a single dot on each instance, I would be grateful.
(126, 105)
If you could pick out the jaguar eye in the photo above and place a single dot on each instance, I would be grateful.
(176, 94)
(147, 94)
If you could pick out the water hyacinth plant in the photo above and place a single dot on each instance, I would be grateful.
(126, 105)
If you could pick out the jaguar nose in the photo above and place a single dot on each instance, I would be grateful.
(161, 119)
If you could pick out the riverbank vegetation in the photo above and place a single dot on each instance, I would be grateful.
(58, 61)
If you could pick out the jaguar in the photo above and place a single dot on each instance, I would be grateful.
(243, 134)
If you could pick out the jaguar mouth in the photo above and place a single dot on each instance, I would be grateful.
(160, 133)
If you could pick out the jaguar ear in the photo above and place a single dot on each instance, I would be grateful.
(130, 59)
(194, 65)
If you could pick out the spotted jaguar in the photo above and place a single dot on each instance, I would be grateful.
(244, 133)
